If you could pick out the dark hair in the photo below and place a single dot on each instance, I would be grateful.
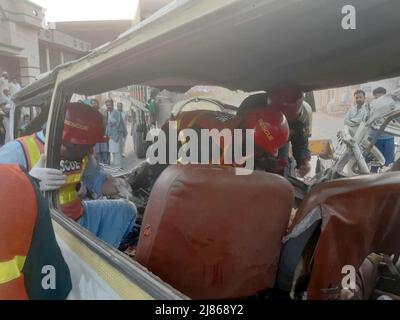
(110, 101)
(358, 92)
(379, 90)
(253, 101)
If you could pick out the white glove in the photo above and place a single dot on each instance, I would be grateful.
(49, 179)
(123, 187)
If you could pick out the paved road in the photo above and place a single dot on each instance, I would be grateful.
(325, 126)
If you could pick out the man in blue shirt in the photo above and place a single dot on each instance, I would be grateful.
(110, 220)
(385, 142)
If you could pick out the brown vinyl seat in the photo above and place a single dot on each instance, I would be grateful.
(359, 216)
(212, 234)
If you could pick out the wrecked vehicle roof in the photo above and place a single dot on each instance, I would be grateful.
(247, 45)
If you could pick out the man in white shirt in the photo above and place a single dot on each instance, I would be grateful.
(4, 83)
(116, 131)
(5, 108)
(14, 87)
(356, 113)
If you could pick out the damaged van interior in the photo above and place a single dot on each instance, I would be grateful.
(203, 232)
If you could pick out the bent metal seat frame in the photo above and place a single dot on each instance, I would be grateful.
(355, 217)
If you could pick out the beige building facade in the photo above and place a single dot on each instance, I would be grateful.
(337, 101)
(20, 22)
(28, 47)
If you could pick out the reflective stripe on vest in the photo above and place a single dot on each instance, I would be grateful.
(68, 191)
(11, 270)
(33, 148)
(68, 196)
(18, 215)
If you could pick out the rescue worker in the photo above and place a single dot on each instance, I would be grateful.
(271, 132)
(29, 253)
(290, 101)
(110, 220)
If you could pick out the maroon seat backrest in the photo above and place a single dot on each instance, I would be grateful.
(360, 215)
(212, 234)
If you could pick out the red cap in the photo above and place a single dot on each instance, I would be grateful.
(271, 128)
(83, 125)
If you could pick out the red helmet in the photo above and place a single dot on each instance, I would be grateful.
(271, 129)
(83, 125)
(289, 99)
